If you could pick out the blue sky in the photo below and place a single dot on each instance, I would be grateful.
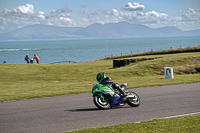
(183, 14)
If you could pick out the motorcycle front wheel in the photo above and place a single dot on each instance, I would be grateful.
(101, 103)
(133, 101)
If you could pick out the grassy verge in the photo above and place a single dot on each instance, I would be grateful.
(24, 81)
(184, 124)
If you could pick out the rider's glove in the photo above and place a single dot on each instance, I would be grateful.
(115, 85)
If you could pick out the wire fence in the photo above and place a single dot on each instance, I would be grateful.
(137, 51)
(61, 62)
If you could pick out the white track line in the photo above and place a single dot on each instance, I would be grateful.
(174, 116)
(180, 115)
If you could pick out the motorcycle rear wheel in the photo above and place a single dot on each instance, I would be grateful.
(101, 103)
(133, 101)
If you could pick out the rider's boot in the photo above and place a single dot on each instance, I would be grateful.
(123, 96)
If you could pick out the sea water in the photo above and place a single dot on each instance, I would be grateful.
(87, 50)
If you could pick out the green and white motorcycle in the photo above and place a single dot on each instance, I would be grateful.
(105, 97)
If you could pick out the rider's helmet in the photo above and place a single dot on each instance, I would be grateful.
(100, 76)
(107, 80)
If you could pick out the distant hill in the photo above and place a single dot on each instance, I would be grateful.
(95, 31)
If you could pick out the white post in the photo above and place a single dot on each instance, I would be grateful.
(169, 74)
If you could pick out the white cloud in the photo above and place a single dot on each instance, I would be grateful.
(25, 15)
(133, 7)
(187, 20)
(41, 16)
(115, 12)
(63, 10)
(28, 8)
(133, 13)
(191, 15)
(155, 14)
(65, 19)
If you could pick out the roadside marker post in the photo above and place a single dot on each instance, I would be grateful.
(169, 74)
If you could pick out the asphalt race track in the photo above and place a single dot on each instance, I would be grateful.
(63, 113)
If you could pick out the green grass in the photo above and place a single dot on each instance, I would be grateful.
(184, 124)
(25, 81)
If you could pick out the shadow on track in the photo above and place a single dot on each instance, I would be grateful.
(95, 109)
(89, 109)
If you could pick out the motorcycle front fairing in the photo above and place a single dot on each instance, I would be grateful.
(115, 100)
(99, 89)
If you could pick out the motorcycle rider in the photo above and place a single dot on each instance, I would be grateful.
(102, 79)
